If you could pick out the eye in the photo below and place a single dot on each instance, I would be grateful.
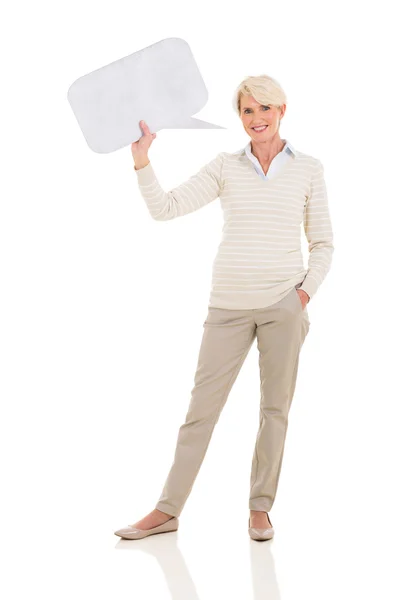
(246, 109)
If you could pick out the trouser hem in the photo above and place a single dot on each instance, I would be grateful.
(167, 508)
(260, 505)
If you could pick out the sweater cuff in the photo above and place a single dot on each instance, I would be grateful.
(145, 175)
(309, 286)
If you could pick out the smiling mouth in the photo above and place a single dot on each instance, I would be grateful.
(259, 130)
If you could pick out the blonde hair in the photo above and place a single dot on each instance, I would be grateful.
(263, 88)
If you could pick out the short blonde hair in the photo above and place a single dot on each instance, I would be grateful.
(263, 88)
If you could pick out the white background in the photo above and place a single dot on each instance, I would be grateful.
(102, 310)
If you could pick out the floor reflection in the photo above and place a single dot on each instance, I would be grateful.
(164, 548)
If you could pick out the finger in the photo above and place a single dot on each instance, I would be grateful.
(145, 128)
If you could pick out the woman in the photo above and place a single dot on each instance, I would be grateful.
(260, 289)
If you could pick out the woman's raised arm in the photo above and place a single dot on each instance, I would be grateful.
(200, 189)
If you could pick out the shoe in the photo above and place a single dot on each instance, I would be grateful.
(132, 533)
(261, 534)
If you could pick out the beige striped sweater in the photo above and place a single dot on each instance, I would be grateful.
(259, 258)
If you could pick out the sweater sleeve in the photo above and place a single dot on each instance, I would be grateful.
(200, 189)
(318, 230)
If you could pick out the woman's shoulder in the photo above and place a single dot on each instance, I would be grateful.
(237, 153)
(232, 156)
(308, 160)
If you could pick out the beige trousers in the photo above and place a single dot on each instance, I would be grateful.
(227, 338)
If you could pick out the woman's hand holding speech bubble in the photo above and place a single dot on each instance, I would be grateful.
(140, 148)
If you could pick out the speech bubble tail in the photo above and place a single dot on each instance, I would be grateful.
(191, 123)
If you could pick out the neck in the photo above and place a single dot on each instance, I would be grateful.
(265, 151)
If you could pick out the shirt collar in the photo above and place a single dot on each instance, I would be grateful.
(288, 147)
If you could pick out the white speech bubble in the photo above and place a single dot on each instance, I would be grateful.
(160, 84)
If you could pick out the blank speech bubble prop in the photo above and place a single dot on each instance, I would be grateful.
(160, 84)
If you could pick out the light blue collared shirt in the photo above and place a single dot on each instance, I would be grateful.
(287, 153)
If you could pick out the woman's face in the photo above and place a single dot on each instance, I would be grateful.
(253, 114)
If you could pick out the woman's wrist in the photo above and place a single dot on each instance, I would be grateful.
(141, 162)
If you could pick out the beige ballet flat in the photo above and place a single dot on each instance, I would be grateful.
(132, 533)
(261, 534)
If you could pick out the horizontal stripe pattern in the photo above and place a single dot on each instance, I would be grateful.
(259, 258)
